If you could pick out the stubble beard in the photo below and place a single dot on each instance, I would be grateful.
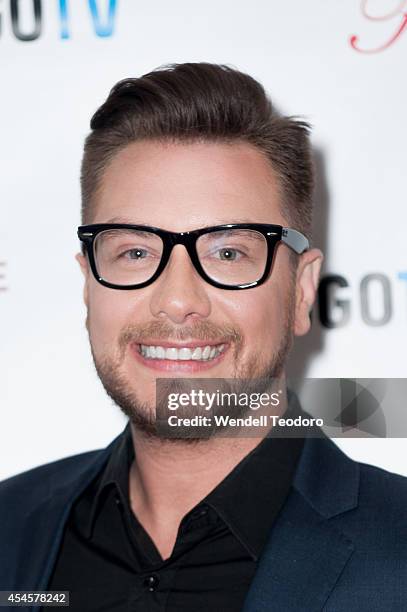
(255, 376)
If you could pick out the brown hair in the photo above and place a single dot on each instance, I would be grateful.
(194, 102)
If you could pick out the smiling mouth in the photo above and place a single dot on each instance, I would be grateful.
(181, 353)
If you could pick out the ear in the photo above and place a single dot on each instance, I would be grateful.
(308, 271)
(84, 265)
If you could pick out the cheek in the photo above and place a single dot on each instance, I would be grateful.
(260, 314)
(270, 318)
(108, 313)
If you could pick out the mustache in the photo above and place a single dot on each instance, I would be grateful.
(204, 330)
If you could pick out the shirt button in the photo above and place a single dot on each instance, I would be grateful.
(151, 582)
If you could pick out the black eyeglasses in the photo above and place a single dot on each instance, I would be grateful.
(231, 256)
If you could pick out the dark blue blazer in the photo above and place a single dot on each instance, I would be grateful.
(338, 545)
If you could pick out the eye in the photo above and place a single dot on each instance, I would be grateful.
(135, 254)
(229, 254)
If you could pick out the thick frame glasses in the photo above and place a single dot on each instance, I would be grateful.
(230, 256)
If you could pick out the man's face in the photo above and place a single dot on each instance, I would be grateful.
(181, 187)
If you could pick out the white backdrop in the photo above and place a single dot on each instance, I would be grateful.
(51, 401)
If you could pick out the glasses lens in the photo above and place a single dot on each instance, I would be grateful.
(127, 257)
(233, 257)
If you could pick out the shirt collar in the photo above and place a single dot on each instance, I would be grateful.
(115, 475)
(251, 496)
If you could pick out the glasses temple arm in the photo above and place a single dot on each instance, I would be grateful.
(295, 240)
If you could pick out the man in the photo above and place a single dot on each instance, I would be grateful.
(197, 213)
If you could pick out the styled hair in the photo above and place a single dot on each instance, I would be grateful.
(195, 102)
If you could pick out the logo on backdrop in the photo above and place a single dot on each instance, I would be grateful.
(396, 14)
(27, 18)
(373, 299)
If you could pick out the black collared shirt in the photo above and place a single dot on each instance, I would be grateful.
(108, 561)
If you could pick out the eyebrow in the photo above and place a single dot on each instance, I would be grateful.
(122, 220)
(127, 221)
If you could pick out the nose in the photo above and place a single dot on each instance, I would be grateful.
(180, 293)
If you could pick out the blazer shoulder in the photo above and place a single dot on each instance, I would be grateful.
(334, 483)
(384, 489)
(35, 484)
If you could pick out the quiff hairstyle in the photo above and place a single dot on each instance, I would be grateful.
(195, 102)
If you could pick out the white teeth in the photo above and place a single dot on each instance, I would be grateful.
(181, 354)
(197, 354)
(159, 352)
(206, 352)
(170, 353)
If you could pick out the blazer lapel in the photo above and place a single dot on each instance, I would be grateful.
(301, 563)
(306, 553)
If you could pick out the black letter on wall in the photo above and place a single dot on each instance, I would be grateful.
(326, 303)
(15, 21)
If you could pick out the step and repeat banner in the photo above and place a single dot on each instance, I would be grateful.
(339, 64)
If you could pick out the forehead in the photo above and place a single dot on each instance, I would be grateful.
(180, 186)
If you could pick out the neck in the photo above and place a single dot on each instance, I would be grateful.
(170, 477)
